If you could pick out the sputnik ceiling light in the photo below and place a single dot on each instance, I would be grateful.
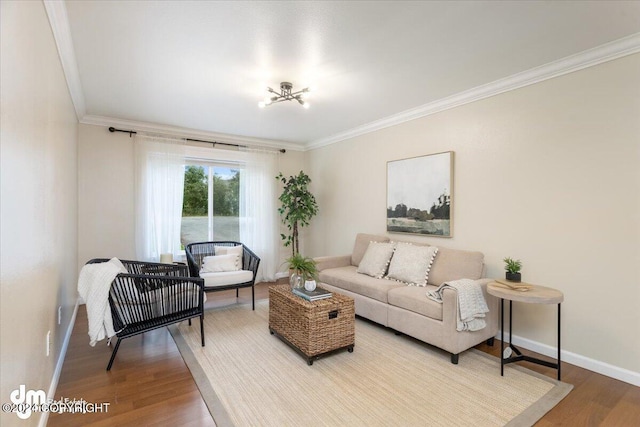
(286, 94)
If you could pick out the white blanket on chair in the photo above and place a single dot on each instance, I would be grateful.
(94, 283)
(471, 303)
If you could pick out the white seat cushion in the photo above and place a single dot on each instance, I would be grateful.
(226, 278)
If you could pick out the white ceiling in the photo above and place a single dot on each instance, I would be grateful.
(204, 65)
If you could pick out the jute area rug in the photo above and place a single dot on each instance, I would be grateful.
(249, 377)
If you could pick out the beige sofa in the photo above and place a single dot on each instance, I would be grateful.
(407, 309)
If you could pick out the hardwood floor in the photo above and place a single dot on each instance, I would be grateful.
(149, 383)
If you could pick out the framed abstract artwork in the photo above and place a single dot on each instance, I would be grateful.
(419, 195)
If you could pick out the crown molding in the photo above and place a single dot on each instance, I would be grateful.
(588, 58)
(59, 21)
(188, 133)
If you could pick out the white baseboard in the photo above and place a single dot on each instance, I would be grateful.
(603, 368)
(56, 373)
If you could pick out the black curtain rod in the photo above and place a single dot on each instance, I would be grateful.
(214, 143)
(130, 132)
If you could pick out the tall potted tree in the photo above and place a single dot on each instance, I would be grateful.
(297, 209)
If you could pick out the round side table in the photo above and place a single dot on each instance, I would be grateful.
(535, 295)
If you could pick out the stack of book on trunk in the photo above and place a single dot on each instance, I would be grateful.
(315, 295)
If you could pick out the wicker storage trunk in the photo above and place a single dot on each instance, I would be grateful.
(312, 328)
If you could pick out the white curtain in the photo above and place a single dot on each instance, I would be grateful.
(258, 210)
(159, 192)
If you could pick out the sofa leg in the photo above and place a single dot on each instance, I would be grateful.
(490, 341)
(454, 358)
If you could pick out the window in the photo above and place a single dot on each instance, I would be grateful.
(211, 205)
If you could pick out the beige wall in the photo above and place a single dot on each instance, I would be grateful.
(106, 192)
(105, 195)
(39, 202)
(549, 173)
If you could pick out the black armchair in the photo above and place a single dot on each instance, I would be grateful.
(152, 296)
(196, 252)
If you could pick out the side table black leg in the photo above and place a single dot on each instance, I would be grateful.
(559, 342)
(511, 346)
(502, 337)
(510, 323)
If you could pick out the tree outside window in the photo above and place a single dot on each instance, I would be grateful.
(211, 204)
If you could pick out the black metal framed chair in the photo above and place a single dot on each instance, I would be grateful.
(196, 252)
(152, 296)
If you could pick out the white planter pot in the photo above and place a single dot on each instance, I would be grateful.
(310, 285)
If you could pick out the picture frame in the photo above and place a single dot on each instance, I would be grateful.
(420, 195)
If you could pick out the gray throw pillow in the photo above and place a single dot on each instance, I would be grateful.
(411, 264)
(376, 259)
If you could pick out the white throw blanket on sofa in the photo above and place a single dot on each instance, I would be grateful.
(94, 283)
(471, 303)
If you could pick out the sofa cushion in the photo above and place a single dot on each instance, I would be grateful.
(454, 264)
(348, 278)
(376, 259)
(361, 245)
(415, 299)
(211, 280)
(410, 263)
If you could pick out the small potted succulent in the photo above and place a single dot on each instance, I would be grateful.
(303, 272)
(513, 267)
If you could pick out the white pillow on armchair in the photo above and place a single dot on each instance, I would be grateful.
(228, 250)
(220, 263)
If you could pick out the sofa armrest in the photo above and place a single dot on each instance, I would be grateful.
(487, 297)
(325, 262)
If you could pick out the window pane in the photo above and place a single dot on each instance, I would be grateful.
(215, 219)
(195, 207)
(226, 199)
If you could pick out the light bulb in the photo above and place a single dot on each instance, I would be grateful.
(306, 105)
(261, 104)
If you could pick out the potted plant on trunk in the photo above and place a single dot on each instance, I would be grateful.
(304, 272)
(513, 267)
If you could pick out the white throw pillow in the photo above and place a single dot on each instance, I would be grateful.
(411, 264)
(376, 259)
(227, 250)
(218, 263)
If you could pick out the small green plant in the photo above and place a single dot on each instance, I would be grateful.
(513, 266)
(303, 266)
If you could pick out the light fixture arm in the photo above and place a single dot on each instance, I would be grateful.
(285, 94)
